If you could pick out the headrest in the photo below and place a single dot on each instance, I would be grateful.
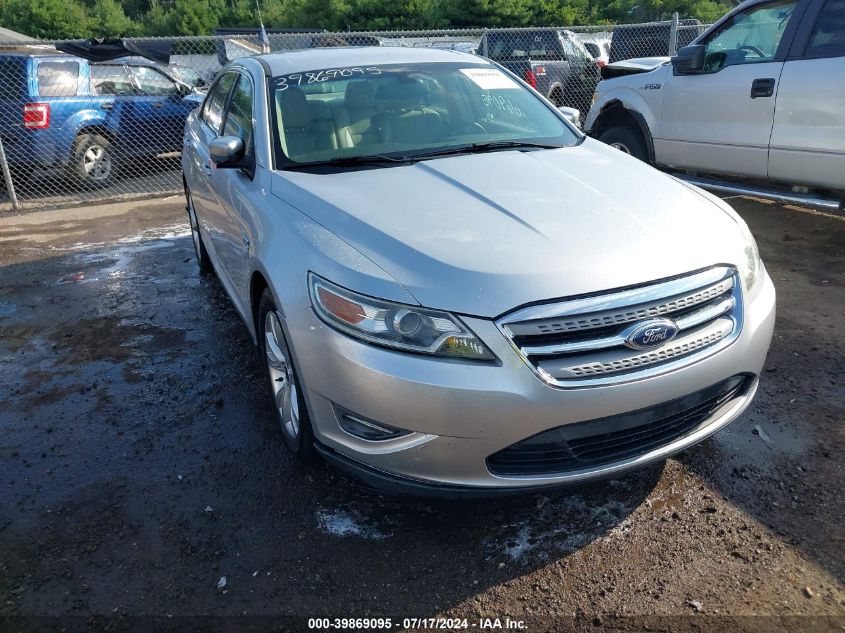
(294, 108)
(399, 95)
(320, 110)
(359, 95)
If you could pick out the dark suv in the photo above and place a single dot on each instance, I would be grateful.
(64, 111)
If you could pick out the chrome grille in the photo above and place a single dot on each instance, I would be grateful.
(582, 342)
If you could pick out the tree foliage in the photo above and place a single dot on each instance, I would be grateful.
(55, 19)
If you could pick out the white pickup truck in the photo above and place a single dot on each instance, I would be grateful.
(760, 95)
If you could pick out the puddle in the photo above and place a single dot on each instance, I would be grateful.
(561, 525)
(348, 523)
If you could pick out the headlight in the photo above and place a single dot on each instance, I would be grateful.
(395, 325)
(751, 264)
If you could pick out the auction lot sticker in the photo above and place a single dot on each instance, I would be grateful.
(489, 78)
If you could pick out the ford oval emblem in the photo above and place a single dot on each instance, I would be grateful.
(651, 334)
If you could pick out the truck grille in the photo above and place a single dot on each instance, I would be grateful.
(598, 442)
(587, 341)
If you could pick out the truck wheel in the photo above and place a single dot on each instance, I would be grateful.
(94, 160)
(626, 139)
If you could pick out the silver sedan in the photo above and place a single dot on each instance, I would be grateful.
(453, 290)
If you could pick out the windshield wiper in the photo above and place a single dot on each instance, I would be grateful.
(484, 147)
(384, 159)
(374, 159)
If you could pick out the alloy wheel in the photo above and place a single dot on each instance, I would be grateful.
(97, 163)
(282, 375)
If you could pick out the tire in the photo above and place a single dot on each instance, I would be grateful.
(626, 139)
(203, 260)
(94, 163)
(284, 381)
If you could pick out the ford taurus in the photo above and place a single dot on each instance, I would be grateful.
(447, 291)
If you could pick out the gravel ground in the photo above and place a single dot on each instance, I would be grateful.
(140, 465)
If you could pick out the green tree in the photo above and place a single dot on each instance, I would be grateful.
(492, 13)
(156, 21)
(194, 17)
(46, 19)
(109, 20)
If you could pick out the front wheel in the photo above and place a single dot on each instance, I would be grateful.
(626, 139)
(94, 161)
(285, 385)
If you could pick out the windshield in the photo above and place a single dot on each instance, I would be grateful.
(405, 111)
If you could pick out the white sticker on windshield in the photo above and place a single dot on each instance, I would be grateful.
(489, 78)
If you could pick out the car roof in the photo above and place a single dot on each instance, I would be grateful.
(347, 56)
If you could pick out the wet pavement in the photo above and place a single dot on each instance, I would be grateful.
(140, 464)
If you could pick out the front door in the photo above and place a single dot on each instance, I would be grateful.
(720, 119)
(232, 188)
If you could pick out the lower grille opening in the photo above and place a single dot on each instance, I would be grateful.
(606, 440)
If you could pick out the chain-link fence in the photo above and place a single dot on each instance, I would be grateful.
(106, 122)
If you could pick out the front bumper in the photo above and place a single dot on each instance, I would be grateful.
(461, 413)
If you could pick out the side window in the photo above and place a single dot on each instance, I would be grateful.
(111, 80)
(239, 115)
(58, 79)
(153, 83)
(212, 111)
(750, 37)
(828, 36)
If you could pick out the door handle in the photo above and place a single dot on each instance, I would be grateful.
(206, 169)
(159, 104)
(107, 106)
(762, 87)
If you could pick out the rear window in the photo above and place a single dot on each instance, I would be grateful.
(57, 79)
(523, 45)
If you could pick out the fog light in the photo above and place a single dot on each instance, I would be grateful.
(364, 428)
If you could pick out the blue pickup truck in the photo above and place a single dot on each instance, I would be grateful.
(552, 61)
(60, 111)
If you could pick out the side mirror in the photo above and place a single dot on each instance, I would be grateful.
(573, 115)
(227, 151)
(690, 59)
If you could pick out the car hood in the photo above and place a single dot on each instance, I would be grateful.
(482, 234)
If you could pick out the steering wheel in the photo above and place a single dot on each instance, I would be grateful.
(753, 49)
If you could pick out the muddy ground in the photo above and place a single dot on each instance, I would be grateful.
(140, 463)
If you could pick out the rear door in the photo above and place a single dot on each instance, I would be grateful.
(720, 119)
(808, 138)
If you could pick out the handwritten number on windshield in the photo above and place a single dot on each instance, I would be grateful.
(303, 79)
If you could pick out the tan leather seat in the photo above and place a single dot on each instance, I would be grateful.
(354, 116)
(307, 126)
